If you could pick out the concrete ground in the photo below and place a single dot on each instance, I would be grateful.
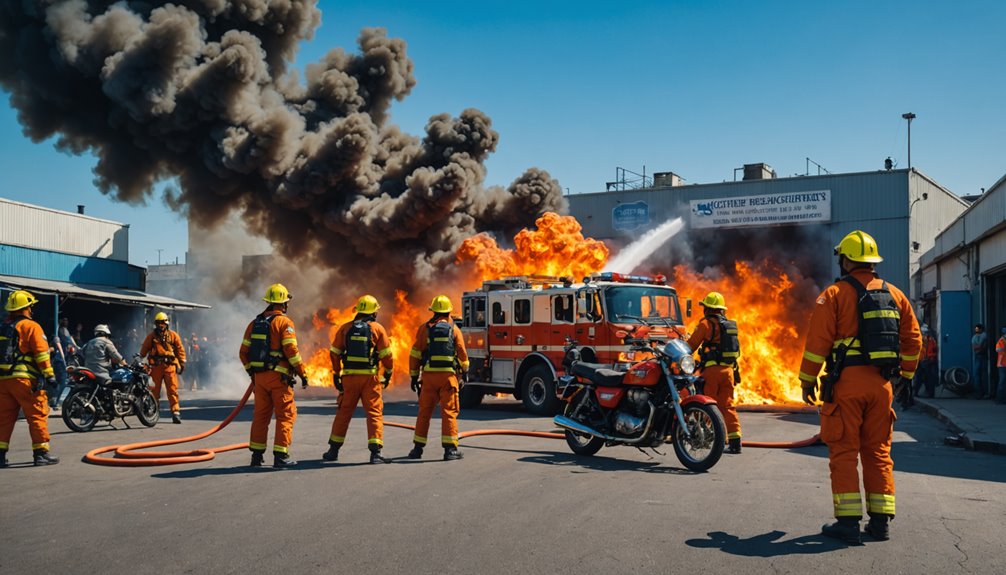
(513, 505)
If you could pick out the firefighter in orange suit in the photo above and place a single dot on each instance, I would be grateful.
(865, 330)
(270, 356)
(715, 338)
(166, 355)
(358, 349)
(24, 372)
(437, 359)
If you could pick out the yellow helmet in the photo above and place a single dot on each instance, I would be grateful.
(20, 299)
(161, 316)
(277, 293)
(367, 304)
(859, 246)
(441, 304)
(714, 300)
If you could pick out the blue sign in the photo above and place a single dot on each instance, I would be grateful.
(630, 216)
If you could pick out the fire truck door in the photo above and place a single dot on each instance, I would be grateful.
(561, 319)
(501, 338)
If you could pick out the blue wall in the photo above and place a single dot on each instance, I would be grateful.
(46, 265)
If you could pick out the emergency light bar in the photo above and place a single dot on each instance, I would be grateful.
(659, 279)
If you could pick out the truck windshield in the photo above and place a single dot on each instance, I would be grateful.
(648, 302)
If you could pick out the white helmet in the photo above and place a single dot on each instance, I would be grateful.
(102, 329)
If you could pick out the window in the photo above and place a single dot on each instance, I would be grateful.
(499, 316)
(475, 312)
(522, 311)
(562, 309)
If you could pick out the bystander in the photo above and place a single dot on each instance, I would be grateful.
(980, 365)
(1000, 395)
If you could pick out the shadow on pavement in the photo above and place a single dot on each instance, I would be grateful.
(767, 544)
(243, 469)
(604, 463)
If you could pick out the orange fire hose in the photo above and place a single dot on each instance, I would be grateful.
(126, 456)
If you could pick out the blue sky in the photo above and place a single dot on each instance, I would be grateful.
(696, 87)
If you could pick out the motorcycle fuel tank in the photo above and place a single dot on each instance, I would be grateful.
(646, 373)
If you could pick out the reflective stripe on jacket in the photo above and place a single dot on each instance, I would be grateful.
(422, 344)
(379, 343)
(282, 345)
(34, 347)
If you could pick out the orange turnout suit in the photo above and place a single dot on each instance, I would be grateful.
(165, 354)
(858, 424)
(719, 376)
(361, 382)
(273, 393)
(440, 385)
(15, 387)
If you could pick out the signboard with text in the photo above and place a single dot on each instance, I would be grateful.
(631, 216)
(764, 210)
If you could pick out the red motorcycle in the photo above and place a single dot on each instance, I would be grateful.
(653, 403)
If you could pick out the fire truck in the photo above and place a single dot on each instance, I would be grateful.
(515, 330)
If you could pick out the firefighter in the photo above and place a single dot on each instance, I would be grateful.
(358, 349)
(715, 337)
(865, 330)
(25, 371)
(270, 356)
(437, 359)
(166, 355)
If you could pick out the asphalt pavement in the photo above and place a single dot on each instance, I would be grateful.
(512, 505)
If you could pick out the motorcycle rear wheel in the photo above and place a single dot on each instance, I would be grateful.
(582, 444)
(708, 436)
(148, 411)
(78, 414)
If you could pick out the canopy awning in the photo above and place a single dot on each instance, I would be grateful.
(96, 293)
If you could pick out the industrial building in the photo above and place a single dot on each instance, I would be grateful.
(78, 267)
(962, 277)
(902, 209)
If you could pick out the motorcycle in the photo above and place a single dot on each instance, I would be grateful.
(92, 399)
(653, 403)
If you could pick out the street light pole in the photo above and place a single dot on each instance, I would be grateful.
(909, 116)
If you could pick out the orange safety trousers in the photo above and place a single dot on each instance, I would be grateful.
(15, 395)
(442, 388)
(720, 386)
(356, 387)
(273, 395)
(857, 427)
(166, 374)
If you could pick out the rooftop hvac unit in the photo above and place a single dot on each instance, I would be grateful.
(758, 172)
(666, 180)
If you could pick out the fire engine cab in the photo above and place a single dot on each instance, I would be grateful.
(516, 328)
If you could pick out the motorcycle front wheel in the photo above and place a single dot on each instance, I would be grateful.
(147, 409)
(582, 444)
(703, 446)
(78, 414)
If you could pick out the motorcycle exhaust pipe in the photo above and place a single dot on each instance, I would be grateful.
(567, 423)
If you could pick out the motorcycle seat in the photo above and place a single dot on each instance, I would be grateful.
(598, 373)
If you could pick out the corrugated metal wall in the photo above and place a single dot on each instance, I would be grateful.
(52, 230)
(929, 216)
(954, 274)
(39, 264)
(876, 202)
(992, 254)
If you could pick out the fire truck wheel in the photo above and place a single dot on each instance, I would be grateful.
(538, 391)
(470, 397)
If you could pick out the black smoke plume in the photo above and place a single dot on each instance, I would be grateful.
(201, 91)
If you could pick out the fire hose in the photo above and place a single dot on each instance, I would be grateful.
(127, 455)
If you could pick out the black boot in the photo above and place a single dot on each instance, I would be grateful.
(282, 460)
(42, 457)
(845, 529)
(451, 453)
(333, 452)
(375, 454)
(176, 417)
(878, 527)
(734, 445)
(257, 458)
(3, 458)
(417, 451)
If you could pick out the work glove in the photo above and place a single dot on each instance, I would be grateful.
(41, 384)
(303, 381)
(809, 393)
(181, 368)
(462, 380)
(386, 380)
(416, 385)
(337, 380)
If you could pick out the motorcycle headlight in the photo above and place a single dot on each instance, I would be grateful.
(687, 364)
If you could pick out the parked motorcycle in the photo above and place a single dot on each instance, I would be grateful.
(653, 403)
(92, 399)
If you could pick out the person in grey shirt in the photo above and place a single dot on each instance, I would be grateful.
(100, 353)
(980, 348)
